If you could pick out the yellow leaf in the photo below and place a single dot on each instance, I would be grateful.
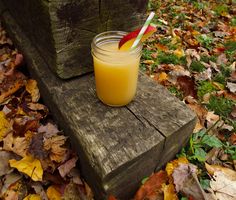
(169, 192)
(228, 172)
(175, 163)
(32, 197)
(162, 77)
(5, 126)
(30, 166)
(53, 193)
(179, 52)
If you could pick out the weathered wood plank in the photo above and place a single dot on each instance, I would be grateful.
(117, 146)
(62, 30)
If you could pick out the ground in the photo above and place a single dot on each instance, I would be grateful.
(193, 54)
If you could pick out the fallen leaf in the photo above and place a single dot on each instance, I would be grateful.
(4, 165)
(111, 197)
(187, 85)
(152, 187)
(10, 84)
(231, 87)
(169, 192)
(53, 145)
(32, 88)
(223, 187)
(72, 191)
(222, 59)
(5, 126)
(32, 197)
(36, 147)
(170, 167)
(38, 188)
(30, 166)
(186, 181)
(53, 193)
(49, 130)
(9, 180)
(18, 60)
(231, 174)
(18, 145)
(232, 139)
(65, 168)
(212, 118)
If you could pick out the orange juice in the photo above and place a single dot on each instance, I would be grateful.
(116, 73)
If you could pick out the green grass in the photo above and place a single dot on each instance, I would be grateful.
(197, 66)
(204, 87)
(169, 58)
(220, 105)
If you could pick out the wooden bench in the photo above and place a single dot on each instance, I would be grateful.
(117, 147)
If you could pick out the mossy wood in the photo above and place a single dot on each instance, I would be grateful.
(117, 147)
(62, 30)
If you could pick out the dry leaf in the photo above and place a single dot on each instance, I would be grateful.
(53, 145)
(67, 166)
(30, 166)
(111, 197)
(223, 187)
(53, 193)
(175, 163)
(231, 174)
(4, 165)
(32, 197)
(18, 145)
(5, 126)
(32, 88)
(231, 87)
(186, 181)
(36, 147)
(9, 180)
(169, 192)
(152, 187)
(187, 85)
(49, 130)
(38, 188)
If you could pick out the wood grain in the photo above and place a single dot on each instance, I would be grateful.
(62, 30)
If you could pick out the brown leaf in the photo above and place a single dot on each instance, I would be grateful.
(5, 156)
(32, 88)
(187, 85)
(186, 181)
(53, 145)
(10, 84)
(18, 60)
(24, 124)
(222, 59)
(198, 109)
(65, 168)
(49, 130)
(152, 187)
(111, 197)
(18, 145)
(36, 147)
(232, 139)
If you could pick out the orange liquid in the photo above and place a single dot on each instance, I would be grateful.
(116, 75)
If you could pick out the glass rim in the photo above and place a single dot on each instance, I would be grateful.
(95, 41)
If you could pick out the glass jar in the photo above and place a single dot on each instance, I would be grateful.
(116, 71)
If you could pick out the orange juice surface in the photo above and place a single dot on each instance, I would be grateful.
(116, 75)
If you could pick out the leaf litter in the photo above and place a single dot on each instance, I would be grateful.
(193, 55)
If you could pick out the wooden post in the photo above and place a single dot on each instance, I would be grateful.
(62, 30)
